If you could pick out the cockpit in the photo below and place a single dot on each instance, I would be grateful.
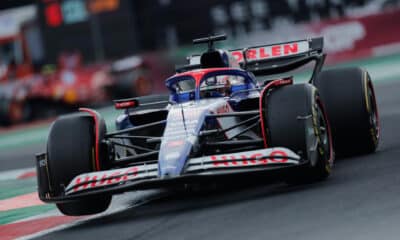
(221, 85)
(209, 84)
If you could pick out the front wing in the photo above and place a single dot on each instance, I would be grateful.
(145, 176)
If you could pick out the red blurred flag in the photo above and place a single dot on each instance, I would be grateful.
(53, 14)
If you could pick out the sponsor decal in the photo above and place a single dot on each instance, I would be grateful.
(126, 104)
(276, 156)
(104, 178)
(175, 143)
(270, 52)
(281, 82)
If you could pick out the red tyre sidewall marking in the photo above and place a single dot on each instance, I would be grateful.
(275, 83)
(96, 135)
(262, 116)
(321, 105)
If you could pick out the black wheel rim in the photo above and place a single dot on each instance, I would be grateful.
(323, 131)
(373, 114)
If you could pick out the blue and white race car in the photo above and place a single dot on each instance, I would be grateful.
(228, 114)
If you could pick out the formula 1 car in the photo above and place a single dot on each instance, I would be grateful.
(217, 121)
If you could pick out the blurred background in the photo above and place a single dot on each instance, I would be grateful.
(56, 55)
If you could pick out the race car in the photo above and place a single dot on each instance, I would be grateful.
(227, 115)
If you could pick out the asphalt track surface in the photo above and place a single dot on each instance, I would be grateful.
(23, 157)
(361, 200)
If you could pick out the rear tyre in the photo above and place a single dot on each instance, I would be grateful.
(295, 119)
(349, 98)
(70, 152)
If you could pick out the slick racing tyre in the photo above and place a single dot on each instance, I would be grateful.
(295, 119)
(70, 151)
(349, 98)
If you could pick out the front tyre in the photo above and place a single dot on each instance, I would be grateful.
(70, 151)
(295, 119)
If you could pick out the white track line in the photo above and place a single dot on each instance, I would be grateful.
(119, 205)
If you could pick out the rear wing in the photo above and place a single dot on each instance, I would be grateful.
(274, 58)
